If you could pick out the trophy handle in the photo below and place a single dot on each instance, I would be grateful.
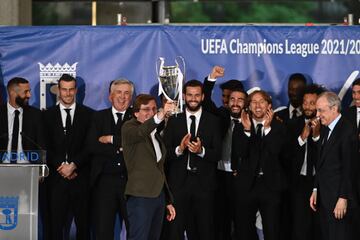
(182, 61)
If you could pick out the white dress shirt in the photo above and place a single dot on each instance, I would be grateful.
(11, 117)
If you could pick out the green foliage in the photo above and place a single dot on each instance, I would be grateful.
(232, 12)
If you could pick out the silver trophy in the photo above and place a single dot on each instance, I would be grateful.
(171, 80)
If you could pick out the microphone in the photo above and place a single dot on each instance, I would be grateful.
(32, 141)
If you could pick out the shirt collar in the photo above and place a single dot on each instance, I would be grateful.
(256, 122)
(197, 114)
(72, 107)
(11, 109)
(114, 111)
(291, 109)
(334, 122)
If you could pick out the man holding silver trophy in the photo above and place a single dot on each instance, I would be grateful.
(193, 142)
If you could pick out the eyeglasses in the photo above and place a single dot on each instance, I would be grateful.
(148, 109)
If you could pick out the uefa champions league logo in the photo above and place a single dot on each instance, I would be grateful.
(8, 212)
(50, 74)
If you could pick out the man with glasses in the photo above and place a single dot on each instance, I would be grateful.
(144, 153)
(108, 172)
(336, 152)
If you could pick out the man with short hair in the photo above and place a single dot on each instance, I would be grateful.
(259, 149)
(303, 131)
(20, 124)
(333, 192)
(144, 154)
(108, 171)
(67, 125)
(296, 84)
(353, 115)
(229, 117)
(193, 146)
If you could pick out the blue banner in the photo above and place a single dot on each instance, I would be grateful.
(262, 56)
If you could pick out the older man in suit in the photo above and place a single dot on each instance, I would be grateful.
(194, 145)
(144, 155)
(333, 192)
(67, 125)
(108, 171)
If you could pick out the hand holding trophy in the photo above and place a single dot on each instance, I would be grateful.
(171, 80)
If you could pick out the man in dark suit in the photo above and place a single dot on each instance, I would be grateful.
(67, 125)
(144, 155)
(302, 131)
(259, 146)
(353, 116)
(296, 84)
(228, 116)
(333, 192)
(108, 171)
(20, 124)
(194, 144)
(21, 129)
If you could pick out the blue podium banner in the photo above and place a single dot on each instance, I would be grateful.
(262, 56)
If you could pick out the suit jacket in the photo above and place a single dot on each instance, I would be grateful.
(221, 112)
(271, 152)
(334, 176)
(208, 132)
(32, 129)
(146, 177)
(295, 127)
(56, 139)
(351, 115)
(103, 124)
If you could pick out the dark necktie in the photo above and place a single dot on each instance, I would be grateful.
(15, 132)
(259, 167)
(309, 159)
(193, 138)
(259, 131)
(119, 123)
(68, 121)
(294, 114)
(325, 139)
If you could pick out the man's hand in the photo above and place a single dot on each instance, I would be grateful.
(184, 142)
(268, 118)
(313, 200)
(66, 169)
(315, 126)
(171, 213)
(340, 208)
(167, 110)
(245, 120)
(217, 72)
(305, 132)
(195, 146)
(105, 139)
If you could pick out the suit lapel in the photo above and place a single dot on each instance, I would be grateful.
(331, 140)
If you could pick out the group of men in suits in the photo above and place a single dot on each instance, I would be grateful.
(211, 168)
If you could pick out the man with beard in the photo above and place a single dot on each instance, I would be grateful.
(296, 84)
(229, 116)
(67, 125)
(303, 130)
(193, 142)
(353, 115)
(108, 172)
(259, 150)
(21, 130)
(20, 124)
